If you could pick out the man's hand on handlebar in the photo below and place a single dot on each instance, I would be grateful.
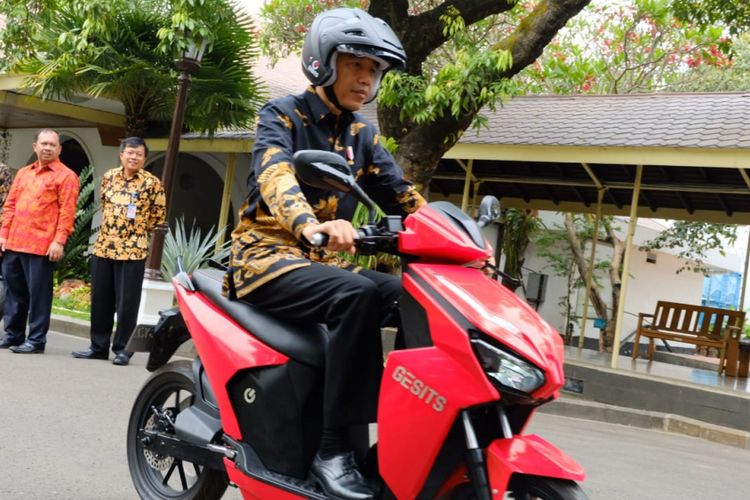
(341, 235)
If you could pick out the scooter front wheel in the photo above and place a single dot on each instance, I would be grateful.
(159, 477)
(531, 488)
(544, 488)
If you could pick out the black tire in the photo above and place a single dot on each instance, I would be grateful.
(544, 488)
(530, 488)
(158, 477)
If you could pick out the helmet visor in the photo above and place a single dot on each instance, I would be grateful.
(382, 58)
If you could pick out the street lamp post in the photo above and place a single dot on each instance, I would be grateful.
(188, 64)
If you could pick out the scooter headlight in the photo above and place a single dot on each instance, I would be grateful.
(506, 369)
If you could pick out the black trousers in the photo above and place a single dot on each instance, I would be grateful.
(28, 280)
(351, 305)
(115, 288)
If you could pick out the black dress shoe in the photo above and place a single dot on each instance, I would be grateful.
(4, 344)
(27, 348)
(121, 359)
(89, 354)
(339, 477)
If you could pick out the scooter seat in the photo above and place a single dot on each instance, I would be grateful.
(305, 343)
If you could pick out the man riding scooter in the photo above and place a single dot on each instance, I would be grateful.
(275, 267)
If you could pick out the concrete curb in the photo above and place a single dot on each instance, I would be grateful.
(82, 328)
(71, 326)
(590, 410)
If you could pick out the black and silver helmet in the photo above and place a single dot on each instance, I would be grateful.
(353, 31)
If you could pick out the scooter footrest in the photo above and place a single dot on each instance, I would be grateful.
(250, 464)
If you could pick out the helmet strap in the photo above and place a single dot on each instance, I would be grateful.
(331, 95)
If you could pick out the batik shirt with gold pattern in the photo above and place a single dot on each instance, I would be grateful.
(130, 210)
(267, 240)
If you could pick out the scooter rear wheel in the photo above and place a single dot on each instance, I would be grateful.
(168, 391)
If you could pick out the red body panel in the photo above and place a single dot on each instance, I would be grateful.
(530, 455)
(498, 312)
(417, 408)
(430, 235)
(224, 347)
(449, 336)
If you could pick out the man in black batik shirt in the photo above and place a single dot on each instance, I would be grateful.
(273, 266)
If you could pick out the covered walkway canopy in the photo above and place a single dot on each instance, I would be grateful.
(556, 153)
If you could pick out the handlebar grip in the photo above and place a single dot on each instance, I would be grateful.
(319, 240)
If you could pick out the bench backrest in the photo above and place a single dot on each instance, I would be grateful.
(697, 320)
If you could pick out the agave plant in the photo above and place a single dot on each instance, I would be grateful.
(193, 247)
(75, 260)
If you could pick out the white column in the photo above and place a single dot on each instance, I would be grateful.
(156, 295)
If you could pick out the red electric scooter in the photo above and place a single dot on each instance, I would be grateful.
(453, 404)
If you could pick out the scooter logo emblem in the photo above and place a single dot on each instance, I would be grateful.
(249, 395)
(419, 388)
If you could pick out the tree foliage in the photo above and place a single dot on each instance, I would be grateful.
(621, 48)
(125, 49)
(693, 241)
(732, 77)
(519, 226)
(462, 56)
(735, 14)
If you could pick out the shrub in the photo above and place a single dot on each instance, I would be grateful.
(75, 260)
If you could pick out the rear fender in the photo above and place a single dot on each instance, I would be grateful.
(162, 340)
(528, 455)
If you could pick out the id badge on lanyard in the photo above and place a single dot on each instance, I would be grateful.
(130, 212)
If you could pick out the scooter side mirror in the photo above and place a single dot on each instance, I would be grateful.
(328, 170)
(323, 170)
(489, 210)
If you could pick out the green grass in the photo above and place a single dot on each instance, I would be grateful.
(75, 303)
(71, 313)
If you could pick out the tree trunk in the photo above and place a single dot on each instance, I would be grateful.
(577, 248)
(422, 145)
(420, 151)
(615, 278)
(136, 125)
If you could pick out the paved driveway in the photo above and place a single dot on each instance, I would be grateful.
(63, 424)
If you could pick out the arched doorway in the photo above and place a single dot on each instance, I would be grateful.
(196, 192)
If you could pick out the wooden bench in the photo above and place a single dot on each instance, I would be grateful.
(697, 325)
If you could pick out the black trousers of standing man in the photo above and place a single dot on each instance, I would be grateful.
(28, 279)
(352, 306)
(115, 287)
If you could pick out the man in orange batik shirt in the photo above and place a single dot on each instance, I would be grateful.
(38, 217)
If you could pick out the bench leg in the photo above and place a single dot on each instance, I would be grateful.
(636, 345)
(729, 358)
(651, 348)
(744, 362)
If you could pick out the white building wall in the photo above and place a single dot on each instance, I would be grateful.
(648, 283)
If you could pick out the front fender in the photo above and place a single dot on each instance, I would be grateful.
(529, 455)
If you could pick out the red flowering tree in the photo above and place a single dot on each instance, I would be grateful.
(624, 48)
